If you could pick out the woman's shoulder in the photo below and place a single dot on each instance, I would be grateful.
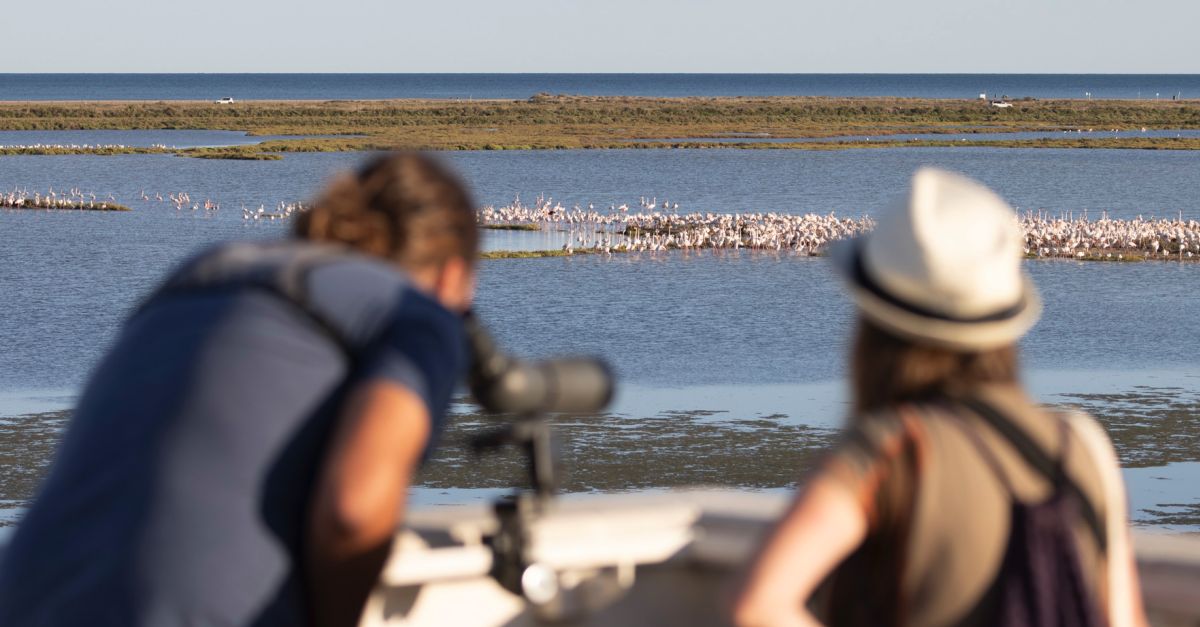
(881, 436)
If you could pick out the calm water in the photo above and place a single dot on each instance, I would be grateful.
(1123, 182)
(669, 320)
(518, 86)
(754, 334)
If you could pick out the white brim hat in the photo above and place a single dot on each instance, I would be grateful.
(943, 267)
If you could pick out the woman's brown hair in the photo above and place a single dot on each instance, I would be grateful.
(887, 370)
(403, 206)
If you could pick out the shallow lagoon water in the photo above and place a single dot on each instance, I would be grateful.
(704, 339)
(850, 182)
(704, 317)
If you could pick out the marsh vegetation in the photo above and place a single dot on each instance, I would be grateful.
(566, 122)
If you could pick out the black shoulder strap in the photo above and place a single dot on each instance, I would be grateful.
(1041, 462)
(241, 266)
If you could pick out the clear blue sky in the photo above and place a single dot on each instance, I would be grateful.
(1148, 36)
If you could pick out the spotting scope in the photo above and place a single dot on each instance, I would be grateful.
(504, 384)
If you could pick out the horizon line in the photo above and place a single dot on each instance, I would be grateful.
(466, 73)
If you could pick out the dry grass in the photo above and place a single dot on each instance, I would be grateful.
(609, 122)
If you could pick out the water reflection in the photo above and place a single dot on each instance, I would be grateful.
(1152, 426)
(849, 182)
(1165, 497)
(27, 445)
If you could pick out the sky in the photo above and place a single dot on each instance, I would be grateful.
(1001, 36)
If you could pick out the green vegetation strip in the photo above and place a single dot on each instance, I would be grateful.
(69, 206)
(529, 254)
(231, 154)
(511, 227)
(565, 122)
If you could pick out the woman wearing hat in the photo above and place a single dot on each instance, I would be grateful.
(953, 498)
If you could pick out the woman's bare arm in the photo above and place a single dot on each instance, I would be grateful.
(359, 497)
(825, 524)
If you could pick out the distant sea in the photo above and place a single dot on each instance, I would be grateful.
(520, 86)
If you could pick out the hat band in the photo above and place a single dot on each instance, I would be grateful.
(864, 280)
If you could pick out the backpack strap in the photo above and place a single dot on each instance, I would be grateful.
(988, 455)
(271, 268)
(1052, 468)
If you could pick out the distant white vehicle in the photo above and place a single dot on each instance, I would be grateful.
(226, 100)
(1001, 104)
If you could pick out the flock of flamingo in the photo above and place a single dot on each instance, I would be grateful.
(73, 147)
(183, 200)
(648, 229)
(72, 199)
(653, 225)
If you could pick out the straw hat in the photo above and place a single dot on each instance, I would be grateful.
(943, 267)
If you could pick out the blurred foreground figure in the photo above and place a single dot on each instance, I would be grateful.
(242, 454)
(953, 498)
